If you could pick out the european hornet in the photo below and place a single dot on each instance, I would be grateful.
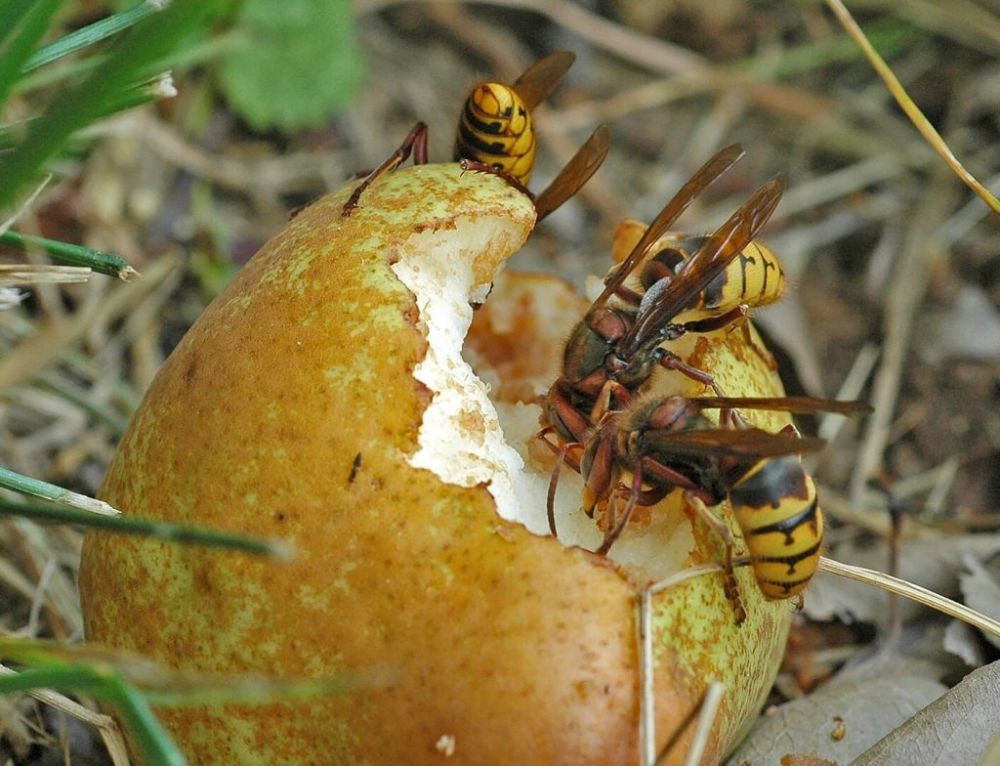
(667, 443)
(495, 127)
(753, 279)
(613, 351)
(495, 135)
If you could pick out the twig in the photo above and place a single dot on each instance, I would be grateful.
(911, 109)
(644, 50)
(647, 705)
(850, 389)
(37, 351)
(907, 288)
(709, 711)
(24, 274)
(105, 724)
(5, 225)
(914, 593)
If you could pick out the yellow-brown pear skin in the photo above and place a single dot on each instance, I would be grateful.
(289, 410)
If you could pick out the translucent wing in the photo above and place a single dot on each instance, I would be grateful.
(541, 77)
(576, 173)
(799, 404)
(710, 260)
(703, 177)
(750, 443)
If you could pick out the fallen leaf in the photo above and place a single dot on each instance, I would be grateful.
(992, 755)
(981, 590)
(962, 640)
(864, 704)
(954, 730)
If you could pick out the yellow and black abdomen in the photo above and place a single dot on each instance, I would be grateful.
(775, 506)
(754, 278)
(495, 129)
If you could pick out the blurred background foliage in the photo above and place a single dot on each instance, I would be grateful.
(896, 279)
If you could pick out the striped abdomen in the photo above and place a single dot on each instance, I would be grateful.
(775, 505)
(495, 129)
(754, 278)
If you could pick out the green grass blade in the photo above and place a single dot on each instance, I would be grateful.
(11, 13)
(38, 488)
(89, 35)
(79, 678)
(103, 263)
(22, 25)
(82, 398)
(131, 525)
(136, 57)
(160, 87)
(260, 691)
(63, 72)
(149, 736)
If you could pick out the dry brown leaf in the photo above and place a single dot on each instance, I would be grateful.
(981, 590)
(954, 730)
(962, 641)
(872, 699)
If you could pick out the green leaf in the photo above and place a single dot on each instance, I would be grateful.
(136, 57)
(104, 263)
(89, 35)
(21, 27)
(300, 64)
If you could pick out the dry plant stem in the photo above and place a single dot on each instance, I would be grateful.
(966, 217)
(774, 97)
(12, 577)
(914, 593)
(497, 44)
(963, 21)
(838, 507)
(647, 718)
(850, 389)
(816, 192)
(909, 283)
(22, 274)
(5, 225)
(944, 479)
(691, 572)
(645, 50)
(38, 351)
(276, 176)
(709, 711)
(36, 547)
(896, 515)
(906, 104)
(644, 624)
(138, 337)
(105, 724)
